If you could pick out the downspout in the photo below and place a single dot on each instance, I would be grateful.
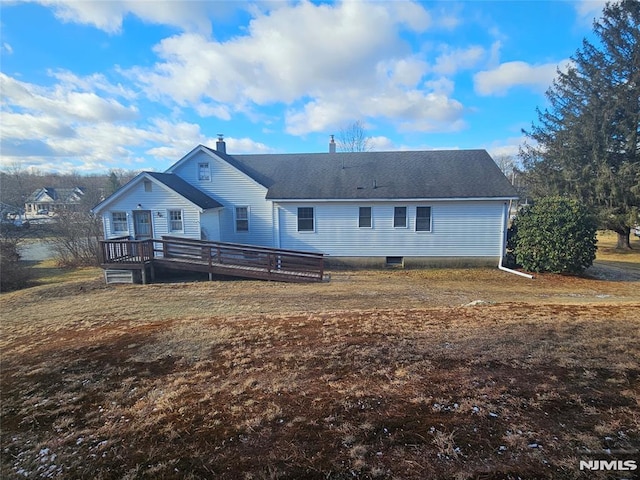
(503, 242)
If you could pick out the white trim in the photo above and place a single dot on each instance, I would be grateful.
(275, 225)
(415, 229)
(169, 210)
(198, 171)
(235, 219)
(370, 227)
(313, 230)
(379, 200)
(212, 154)
(112, 222)
(406, 217)
(133, 183)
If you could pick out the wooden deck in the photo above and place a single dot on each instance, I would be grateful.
(215, 258)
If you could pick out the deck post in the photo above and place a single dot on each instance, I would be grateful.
(238, 260)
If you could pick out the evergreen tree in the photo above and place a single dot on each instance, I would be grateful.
(586, 144)
(113, 183)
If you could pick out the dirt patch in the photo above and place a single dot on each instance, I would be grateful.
(225, 385)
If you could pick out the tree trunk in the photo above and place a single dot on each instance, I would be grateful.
(623, 239)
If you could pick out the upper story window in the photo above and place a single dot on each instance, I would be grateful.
(305, 219)
(119, 222)
(423, 219)
(175, 221)
(242, 219)
(364, 217)
(147, 186)
(204, 172)
(400, 217)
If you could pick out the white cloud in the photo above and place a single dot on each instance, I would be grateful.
(64, 127)
(78, 124)
(64, 103)
(95, 82)
(411, 110)
(508, 147)
(328, 64)
(6, 48)
(272, 63)
(245, 145)
(441, 85)
(589, 10)
(380, 143)
(109, 15)
(454, 60)
(511, 74)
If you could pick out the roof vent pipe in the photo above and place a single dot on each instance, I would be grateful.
(220, 145)
(332, 145)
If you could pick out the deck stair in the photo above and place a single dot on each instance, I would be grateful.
(215, 258)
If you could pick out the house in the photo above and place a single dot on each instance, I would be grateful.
(51, 199)
(368, 208)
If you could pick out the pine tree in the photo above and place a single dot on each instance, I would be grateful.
(586, 144)
(113, 183)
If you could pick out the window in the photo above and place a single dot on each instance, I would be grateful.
(364, 217)
(423, 219)
(305, 219)
(400, 217)
(175, 221)
(147, 185)
(119, 221)
(242, 219)
(203, 171)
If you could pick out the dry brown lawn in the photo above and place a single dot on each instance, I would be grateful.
(411, 374)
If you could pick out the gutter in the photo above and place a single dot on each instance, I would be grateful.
(503, 241)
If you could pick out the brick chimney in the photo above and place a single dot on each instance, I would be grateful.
(332, 145)
(220, 145)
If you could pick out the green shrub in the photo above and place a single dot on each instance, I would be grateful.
(556, 235)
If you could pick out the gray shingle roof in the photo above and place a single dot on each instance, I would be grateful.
(63, 195)
(377, 175)
(185, 189)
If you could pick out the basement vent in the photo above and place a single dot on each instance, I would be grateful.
(395, 262)
(118, 276)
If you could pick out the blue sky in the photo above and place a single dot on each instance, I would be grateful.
(92, 86)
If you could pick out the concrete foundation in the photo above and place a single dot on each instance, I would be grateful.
(337, 263)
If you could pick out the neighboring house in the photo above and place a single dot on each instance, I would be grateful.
(369, 207)
(53, 199)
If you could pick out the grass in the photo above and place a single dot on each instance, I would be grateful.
(607, 248)
(48, 272)
(377, 374)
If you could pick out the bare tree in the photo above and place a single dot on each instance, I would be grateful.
(353, 138)
(75, 238)
(507, 164)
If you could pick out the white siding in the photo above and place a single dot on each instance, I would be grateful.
(458, 229)
(232, 188)
(159, 201)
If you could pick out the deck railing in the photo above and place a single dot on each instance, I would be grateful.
(124, 251)
(216, 257)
